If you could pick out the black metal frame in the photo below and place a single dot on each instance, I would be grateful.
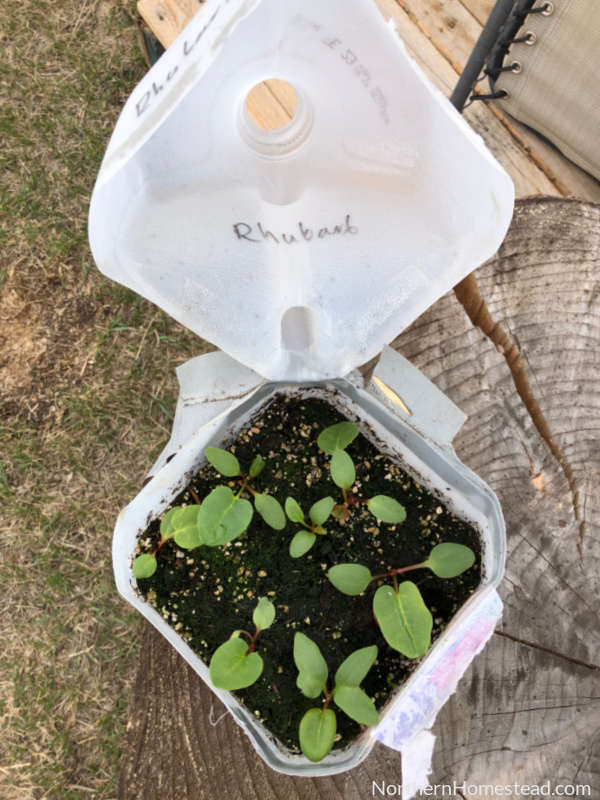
(491, 48)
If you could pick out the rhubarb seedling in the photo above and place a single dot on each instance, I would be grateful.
(235, 664)
(318, 726)
(403, 617)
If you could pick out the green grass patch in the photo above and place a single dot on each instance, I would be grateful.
(87, 396)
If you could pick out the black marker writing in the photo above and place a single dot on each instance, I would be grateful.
(257, 234)
(144, 102)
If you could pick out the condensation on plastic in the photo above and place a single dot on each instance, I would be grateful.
(423, 449)
(299, 252)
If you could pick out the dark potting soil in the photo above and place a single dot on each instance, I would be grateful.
(207, 593)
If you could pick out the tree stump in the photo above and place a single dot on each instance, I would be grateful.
(528, 709)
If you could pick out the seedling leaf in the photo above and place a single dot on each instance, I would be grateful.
(185, 525)
(448, 560)
(264, 614)
(350, 578)
(144, 566)
(230, 667)
(184, 517)
(312, 667)
(223, 516)
(354, 669)
(293, 510)
(337, 437)
(340, 512)
(301, 543)
(271, 511)
(404, 619)
(356, 704)
(257, 466)
(317, 733)
(166, 528)
(188, 538)
(320, 511)
(386, 509)
(342, 469)
(224, 462)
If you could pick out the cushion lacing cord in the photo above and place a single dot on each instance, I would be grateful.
(503, 46)
(546, 8)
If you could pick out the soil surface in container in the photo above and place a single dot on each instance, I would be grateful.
(208, 593)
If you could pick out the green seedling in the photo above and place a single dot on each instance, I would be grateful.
(235, 664)
(318, 515)
(333, 441)
(337, 437)
(179, 523)
(221, 517)
(403, 617)
(267, 506)
(318, 726)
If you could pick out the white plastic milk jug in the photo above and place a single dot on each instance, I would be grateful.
(301, 253)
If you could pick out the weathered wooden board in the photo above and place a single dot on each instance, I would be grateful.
(528, 710)
(480, 9)
(527, 176)
(167, 18)
(454, 31)
(271, 104)
(265, 109)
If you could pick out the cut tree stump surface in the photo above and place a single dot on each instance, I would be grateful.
(528, 709)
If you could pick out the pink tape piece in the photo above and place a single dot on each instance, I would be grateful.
(456, 662)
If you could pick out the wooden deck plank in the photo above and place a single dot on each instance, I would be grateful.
(578, 182)
(453, 29)
(479, 9)
(284, 94)
(265, 108)
(190, 6)
(528, 178)
(165, 18)
(448, 23)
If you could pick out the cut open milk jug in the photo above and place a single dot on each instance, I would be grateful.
(301, 253)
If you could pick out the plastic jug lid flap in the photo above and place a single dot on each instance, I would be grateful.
(301, 251)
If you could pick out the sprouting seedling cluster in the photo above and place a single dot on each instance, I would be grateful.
(180, 524)
(399, 609)
(405, 621)
(319, 725)
(318, 514)
(267, 506)
(334, 441)
(221, 517)
(236, 664)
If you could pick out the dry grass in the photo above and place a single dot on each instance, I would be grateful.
(86, 392)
